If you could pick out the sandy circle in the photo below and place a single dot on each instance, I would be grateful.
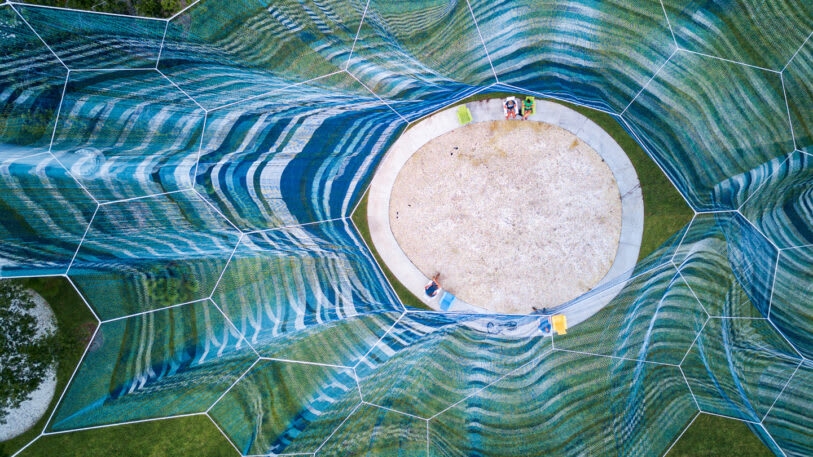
(513, 214)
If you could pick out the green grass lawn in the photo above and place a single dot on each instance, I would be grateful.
(715, 436)
(180, 437)
(359, 217)
(665, 210)
(75, 324)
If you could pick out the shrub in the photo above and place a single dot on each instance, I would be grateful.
(25, 355)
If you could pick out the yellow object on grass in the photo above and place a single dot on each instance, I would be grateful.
(533, 104)
(463, 114)
(559, 324)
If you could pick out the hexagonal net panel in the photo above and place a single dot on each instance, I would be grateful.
(195, 176)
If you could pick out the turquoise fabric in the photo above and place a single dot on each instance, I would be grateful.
(194, 179)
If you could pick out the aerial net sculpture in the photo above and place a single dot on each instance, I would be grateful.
(194, 178)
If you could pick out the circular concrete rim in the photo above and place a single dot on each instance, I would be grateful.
(632, 206)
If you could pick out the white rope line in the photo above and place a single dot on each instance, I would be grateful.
(70, 380)
(669, 24)
(787, 107)
(773, 284)
(793, 248)
(217, 210)
(787, 383)
(291, 226)
(116, 424)
(379, 340)
(730, 61)
(453, 102)
(797, 52)
(762, 426)
(483, 41)
(53, 138)
(228, 440)
(696, 298)
(758, 230)
(681, 433)
(151, 311)
(237, 330)
(555, 97)
(427, 438)
(182, 91)
(38, 35)
(236, 381)
(376, 96)
(110, 70)
(630, 130)
(26, 445)
(358, 32)
(765, 182)
(103, 13)
(648, 82)
(400, 300)
(694, 341)
(358, 384)
(84, 300)
(394, 410)
(715, 211)
(305, 362)
(337, 428)
(81, 241)
(183, 10)
(626, 359)
(161, 47)
(142, 197)
(59, 112)
(363, 194)
(274, 91)
(194, 176)
(730, 417)
(34, 275)
(225, 267)
(74, 178)
(500, 378)
(680, 244)
(792, 346)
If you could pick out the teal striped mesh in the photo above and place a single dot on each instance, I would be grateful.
(194, 178)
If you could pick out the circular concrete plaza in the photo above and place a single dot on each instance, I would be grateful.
(514, 215)
(511, 214)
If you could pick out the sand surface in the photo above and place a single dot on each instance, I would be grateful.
(513, 214)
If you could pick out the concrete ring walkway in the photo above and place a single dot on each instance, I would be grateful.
(488, 110)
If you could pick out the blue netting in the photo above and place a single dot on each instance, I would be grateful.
(152, 253)
(31, 83)
(194, 177)
(127, 134)
(168, 362)
(99, 41)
